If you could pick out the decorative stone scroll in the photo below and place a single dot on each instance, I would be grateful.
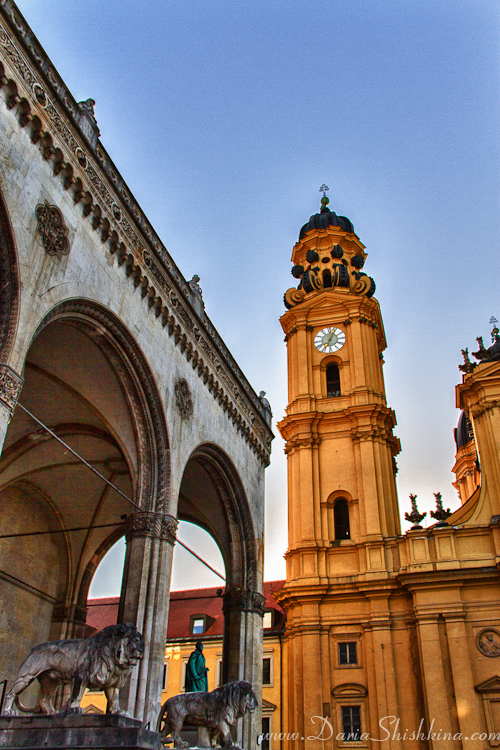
(10, 387)
(154, 525)
(488, 642)
(245, 601)
(183, 398)
(53, 229)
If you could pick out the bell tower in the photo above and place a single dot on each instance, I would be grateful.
(343, 517)
(338, 429)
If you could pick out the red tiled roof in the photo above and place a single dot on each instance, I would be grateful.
(184, 604)
(102, 612)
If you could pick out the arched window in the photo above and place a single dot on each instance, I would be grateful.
(327, 279)
(341, 519)
(332, 381)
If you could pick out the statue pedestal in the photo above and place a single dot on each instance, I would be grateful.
(86, 731)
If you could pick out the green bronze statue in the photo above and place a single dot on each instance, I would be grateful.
(196, 671)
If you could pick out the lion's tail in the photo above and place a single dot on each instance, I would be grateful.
(19, 705)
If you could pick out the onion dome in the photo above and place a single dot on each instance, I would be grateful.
(330, 259)
(463, 431)
(326, 218)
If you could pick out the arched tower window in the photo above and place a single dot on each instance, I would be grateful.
(332, 381)
(341, 519)
(327, 279)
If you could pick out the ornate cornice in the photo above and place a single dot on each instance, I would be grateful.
(154, 525)
(245, 601)
(10, 386)
(82, 165)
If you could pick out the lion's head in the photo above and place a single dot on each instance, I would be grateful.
(234, 700)
(113, 652)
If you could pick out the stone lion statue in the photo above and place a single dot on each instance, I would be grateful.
(217, 711)
(103, 661)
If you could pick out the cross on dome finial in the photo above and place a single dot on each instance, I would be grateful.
(495, 331)
(324, 201)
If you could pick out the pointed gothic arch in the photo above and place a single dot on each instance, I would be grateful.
(238, 547)
(80, 356)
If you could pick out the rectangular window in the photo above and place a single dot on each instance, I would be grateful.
(267, 621)
(183, 674)
(164, 682)
(266, 731)
(351, 724)
(198, 625)
(218, 672)
(266, 671)
(348, 653)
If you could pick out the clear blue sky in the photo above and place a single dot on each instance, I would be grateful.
(226, 117)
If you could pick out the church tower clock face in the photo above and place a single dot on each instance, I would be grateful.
(329, 340)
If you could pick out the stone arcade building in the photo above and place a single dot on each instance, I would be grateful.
(104, 342)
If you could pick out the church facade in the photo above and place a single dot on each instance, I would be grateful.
(392, 640)
(121, 408)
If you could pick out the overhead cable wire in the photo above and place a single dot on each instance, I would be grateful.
(89, 466)
(101, 476)
(201, 560)
(60, 531)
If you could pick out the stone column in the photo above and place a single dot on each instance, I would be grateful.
(144, 602)
(10, 388)
(242, 653)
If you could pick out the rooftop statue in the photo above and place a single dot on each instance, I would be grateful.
(103, 661)
(214, 712)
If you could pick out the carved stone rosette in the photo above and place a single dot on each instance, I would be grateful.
(70, 613)
(183, 398)
(245, 601)
(10, 387)
(154, 525)
(53, 229)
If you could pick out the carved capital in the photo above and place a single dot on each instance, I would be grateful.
(70, 613)
(244, 601)
(10, 386)
(478, 411)
(154, 525)
(304, 441)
